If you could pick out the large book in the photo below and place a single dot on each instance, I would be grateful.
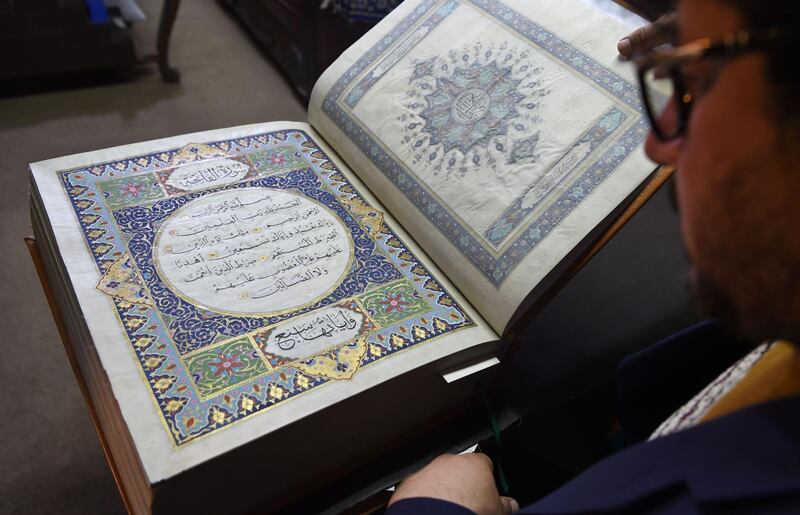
(255, 308)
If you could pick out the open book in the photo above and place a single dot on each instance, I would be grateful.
(254, 308)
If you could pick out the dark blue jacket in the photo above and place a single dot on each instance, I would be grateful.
(746, 462)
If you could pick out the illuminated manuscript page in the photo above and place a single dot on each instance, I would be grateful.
(498, 133)
(238, 280)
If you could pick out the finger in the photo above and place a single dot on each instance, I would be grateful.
(510, 505)
(645, 38)
(485, 459)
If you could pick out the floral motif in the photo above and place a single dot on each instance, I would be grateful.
(277, 159)
(215, 370)
(124, 191)
(131, 190)
(283, 158)
(226, 364)
(393, 303)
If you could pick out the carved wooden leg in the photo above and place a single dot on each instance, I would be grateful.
(168, 15)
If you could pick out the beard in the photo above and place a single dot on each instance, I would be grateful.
(715, 301)
(764, 314)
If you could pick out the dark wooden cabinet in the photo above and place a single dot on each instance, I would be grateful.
(298, 35)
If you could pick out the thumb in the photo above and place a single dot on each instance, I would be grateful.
(661, 31)
(509, 505)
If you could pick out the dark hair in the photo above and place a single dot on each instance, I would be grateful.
(782, 59)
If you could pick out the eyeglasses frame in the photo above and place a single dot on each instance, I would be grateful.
(730, 46)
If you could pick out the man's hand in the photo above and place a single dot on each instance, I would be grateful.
(661, 31)
(465, 479)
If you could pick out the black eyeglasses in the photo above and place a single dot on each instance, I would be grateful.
(662, 79)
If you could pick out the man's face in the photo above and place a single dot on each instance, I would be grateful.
(738, 185)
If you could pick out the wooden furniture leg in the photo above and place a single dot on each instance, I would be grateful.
(168, 14)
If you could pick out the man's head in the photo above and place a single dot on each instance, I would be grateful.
(738, 171)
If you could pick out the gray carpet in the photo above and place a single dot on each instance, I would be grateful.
(50, 460)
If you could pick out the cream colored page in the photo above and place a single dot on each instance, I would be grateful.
(145, 405)
(499, 133)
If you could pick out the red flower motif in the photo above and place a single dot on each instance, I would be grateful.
(226, 365)
(132, 190)
(277, 159)
(393, 303)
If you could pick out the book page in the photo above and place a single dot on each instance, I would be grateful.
(237, 280)
(499, 133)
